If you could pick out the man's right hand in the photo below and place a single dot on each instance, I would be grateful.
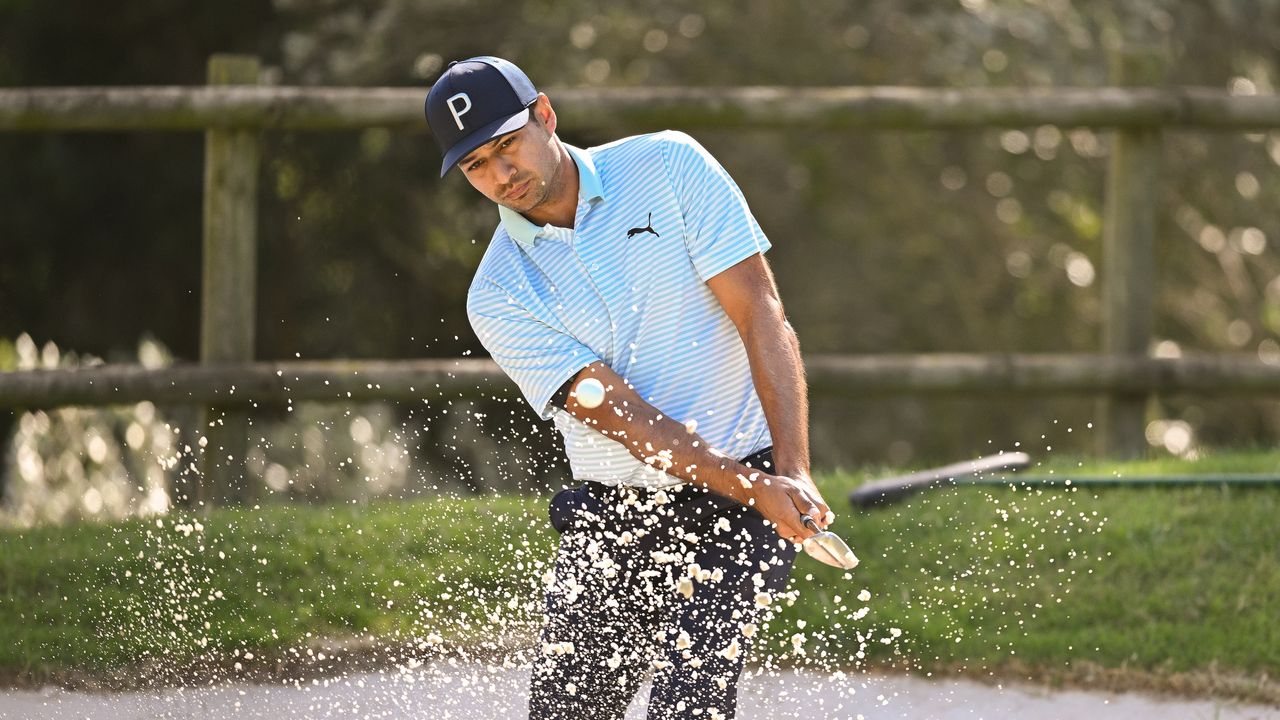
(783, 500)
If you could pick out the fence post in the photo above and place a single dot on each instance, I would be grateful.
(1128, 263)
(228, 298)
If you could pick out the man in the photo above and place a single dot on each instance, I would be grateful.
(637, 263)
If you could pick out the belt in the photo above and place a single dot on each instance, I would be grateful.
(758, 460)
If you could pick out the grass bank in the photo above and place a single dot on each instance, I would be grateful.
(1062, 584)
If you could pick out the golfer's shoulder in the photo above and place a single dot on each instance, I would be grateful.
(686, 161)
(654, 144)
(645, 159)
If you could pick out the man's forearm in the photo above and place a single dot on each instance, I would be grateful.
(666, 444)
(662, 442)
(749, 296)
(778, 373)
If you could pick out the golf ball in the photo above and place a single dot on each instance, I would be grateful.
(590, 393)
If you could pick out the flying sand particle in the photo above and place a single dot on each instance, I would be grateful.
(685, 588)
(730, 652)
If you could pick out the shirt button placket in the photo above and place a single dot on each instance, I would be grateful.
(590, 268)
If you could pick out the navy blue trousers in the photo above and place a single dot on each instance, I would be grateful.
(673, 581)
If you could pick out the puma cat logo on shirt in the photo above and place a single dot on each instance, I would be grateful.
(648, 228)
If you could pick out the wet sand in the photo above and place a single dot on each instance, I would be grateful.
(474, 691)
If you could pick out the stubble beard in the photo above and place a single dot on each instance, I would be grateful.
(540, 191)
(535, 196)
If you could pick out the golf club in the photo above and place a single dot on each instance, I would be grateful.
(827, 547)
(893, 489)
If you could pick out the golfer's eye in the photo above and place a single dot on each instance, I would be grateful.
(507, 143)
(474, 165)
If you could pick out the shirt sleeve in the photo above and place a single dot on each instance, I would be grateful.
(536, 356)
(720, 230)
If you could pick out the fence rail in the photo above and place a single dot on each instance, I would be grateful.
(193, 108)
(246, 384)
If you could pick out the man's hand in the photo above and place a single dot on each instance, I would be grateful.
(783, 500)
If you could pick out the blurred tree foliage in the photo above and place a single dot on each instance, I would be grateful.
(979, 241)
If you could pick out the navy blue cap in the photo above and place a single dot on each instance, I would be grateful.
(474, 101)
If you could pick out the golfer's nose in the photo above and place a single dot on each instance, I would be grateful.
(506, 171)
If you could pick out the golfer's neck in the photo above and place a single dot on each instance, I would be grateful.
(562, 203)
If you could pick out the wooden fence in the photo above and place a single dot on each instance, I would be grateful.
(240, 385)
(233, 109)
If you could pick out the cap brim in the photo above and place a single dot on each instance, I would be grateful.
(464, 146)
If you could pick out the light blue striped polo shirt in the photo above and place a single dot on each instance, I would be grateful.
(657, 217)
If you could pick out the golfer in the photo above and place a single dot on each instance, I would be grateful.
(639, 264)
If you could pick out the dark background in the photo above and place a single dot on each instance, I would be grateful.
(883, 242)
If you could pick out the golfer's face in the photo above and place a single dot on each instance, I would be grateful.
(513, 169)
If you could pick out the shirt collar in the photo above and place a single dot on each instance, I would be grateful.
(589, 188)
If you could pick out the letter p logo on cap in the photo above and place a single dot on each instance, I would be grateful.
(459, 112)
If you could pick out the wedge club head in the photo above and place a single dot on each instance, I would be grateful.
(827, 547)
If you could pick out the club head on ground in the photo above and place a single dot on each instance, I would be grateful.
(827, 547)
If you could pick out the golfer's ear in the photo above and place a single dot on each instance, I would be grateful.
(545, 113)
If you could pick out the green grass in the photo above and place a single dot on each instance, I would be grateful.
(1154, 579)
(1157, 580)
(96, 597)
